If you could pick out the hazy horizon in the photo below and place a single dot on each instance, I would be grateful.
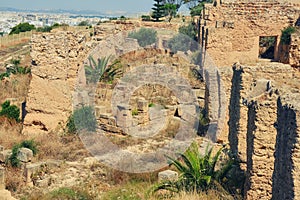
(121, 6)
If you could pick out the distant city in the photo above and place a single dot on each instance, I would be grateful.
(10, 17)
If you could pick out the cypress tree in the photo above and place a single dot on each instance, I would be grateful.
(158, 9)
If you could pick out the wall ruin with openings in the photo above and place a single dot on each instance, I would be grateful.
(234, 28)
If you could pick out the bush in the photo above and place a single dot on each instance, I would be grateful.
(286, 35)
(197, 172)
(44, 29)
(30, 144)
(146, 18)
(10, 111)
(189, 30)
(84, 23)
(22, 27)
(82, 119)
(182, 43)
(144, 36)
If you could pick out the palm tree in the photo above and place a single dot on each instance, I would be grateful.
(197, 172)
(96, 70)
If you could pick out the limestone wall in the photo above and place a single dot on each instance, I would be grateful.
(263, 128)
(56, 58)
(294, 50)
(234, 28)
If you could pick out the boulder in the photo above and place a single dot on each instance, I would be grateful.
(25, 155)
(167, 175)
(4, 155)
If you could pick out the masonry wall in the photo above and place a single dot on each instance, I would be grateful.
(56, 61)
(234, 28)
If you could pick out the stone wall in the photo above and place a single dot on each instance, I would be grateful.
(294, 50)
(286, 173)
(234, 28)
(56, 61)
(262, 127)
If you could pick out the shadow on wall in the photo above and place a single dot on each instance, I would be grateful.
(282, 179)
(251, 127)
(234, 109)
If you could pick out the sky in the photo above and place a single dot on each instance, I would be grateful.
(105, 6)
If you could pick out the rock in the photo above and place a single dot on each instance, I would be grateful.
(6, 195)
(1, 148)
(43, 183)
(167, 175)
(4, 155)
(25, 155)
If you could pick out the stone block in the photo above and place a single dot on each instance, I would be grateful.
(42, 183)
(167, 175)
(4, 155)
(142, 105)
(31, 169)
(25, 155)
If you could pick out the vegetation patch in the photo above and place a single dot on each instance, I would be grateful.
(144, 36)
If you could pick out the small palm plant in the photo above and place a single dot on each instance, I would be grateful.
(95, 70)
(197, 172)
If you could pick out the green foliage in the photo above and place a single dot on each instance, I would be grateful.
(44, 29)
(151, 105)
(22, 27)
(10, 111)
(30, 144)
(71, 128)
(189, 30)
(158, 10)
(68, 193)
(144, 36)
(100, 70)
(196, 11)
(82, 119)
(134, 112)
(286, 35)
(146, 18)
(197, 172)
(84, 23)
(185, 40)
(15, 69)
(170, 10)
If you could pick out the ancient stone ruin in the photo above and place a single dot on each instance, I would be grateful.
(260, 111)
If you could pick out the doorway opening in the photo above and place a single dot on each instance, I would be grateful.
(267, 47)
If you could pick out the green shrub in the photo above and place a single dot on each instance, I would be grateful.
(197, 172)
(181, 42)
(146, 18)
(144, 36)
(189, 30)
(84, 23)
(22, 27)
(30, 144)
(44, 29)
(82, 119)
(71, 128)
(286, 35)
(134, 112)
(10, 111)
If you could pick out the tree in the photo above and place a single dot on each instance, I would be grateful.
(22, 27)
(144, 36)
(197, 172)
(177, 3)
(158, 10)
(170, 11)
(100, 70)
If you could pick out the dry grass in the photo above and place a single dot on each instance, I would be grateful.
(14, 87)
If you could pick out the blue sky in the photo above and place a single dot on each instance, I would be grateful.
(132, 6)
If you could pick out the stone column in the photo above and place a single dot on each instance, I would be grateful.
(261, 140)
